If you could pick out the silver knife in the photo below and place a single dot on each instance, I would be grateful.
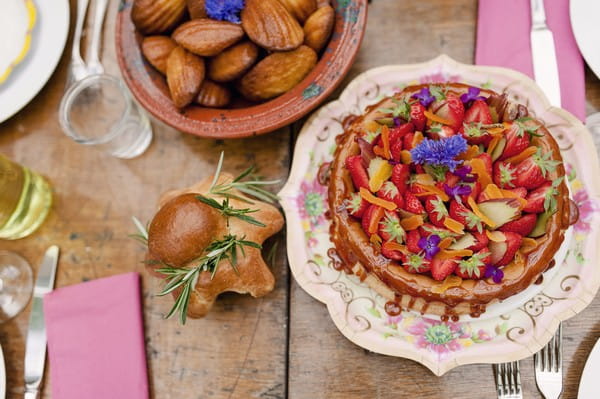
(545, 66)
(35, 347)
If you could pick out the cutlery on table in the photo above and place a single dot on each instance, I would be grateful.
(508, 380)
(77, 68)
(545, 66)
(2, 376)
(588, 387)
(35, 345)
(548, 367)
(94, 66)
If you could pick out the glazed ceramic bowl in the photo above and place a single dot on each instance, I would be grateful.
(150, 88)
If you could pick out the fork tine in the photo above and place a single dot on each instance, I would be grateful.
(509, 377)
(518, 378)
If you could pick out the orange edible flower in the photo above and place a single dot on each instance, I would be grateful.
(495, 236)
(445, 243)
(405, 157)
(370, 198)
(433, 117)
(411, 223)
(453, 253)
(417, 139)
(492, 192)
(375, 219)
(375, 239)
(454, 225)
(394, 246)
(385, 138)
(483, 176)
(431, 190)
(471, 153)
(379, 151)
(527, 152)
(449, 282)
(493, 143)
(498, 130)
(478, 212)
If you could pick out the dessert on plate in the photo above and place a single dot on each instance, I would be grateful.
(446, 198)
(206, 239)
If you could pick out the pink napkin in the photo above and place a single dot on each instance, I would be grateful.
(503, 40)
(96, 340)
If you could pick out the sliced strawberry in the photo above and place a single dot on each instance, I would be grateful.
(412, 241)
(479, 112)
(393, 254)
(523, 226)
(396, 150)
(390, 192)
(415, 263)
(419, 169)
(536, 198)
(417, 116)
(357, 171)
(487, 161)
(520, 191)
(474, 134)
(439, 131)
(474, 266)
(460, 213)
(504, 174)
(412, 204)
(475, 191)
(533, 171)
(417, 189)
(356, 205)
(436, 210)
(371, 217)
(407, 141)
(451, 179)
(440, 269)
(481, 241)
(399, 177)
(451, 109)
(503, 252)
(390, 228)
(398, 132)
(516, 141)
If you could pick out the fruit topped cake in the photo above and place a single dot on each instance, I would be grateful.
(445, 198)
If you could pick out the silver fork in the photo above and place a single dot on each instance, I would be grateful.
(94, 65)
(508, 380)
(548, 367)
(77, 68)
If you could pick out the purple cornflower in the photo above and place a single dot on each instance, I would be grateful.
(430, 245)
(440, 152)
(472, 95)
(424, 96)
(495, 273)
(224, 10)
(457, 190)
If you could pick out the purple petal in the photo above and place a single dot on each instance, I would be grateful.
(462, 172)
(430, 252)
(469, 179)
(471, 95)
(422, 242)
(424, 96)
(434, 239)
(397, 121)
(459, 189)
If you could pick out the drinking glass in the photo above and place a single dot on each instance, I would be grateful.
(99, 111)
(25, 200)
(16, 284)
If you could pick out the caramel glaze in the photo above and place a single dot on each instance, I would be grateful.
(353, 245)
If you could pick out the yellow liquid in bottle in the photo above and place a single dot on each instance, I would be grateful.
(25, 200)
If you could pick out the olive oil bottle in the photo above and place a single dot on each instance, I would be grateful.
(25, 200)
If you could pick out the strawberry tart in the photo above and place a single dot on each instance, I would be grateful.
(446, 198)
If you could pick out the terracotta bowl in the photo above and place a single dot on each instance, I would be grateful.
(150, 88)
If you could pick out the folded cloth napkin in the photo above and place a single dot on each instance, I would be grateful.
(503, 40)
(96, 340)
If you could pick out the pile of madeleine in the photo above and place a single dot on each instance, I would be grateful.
(270, 46)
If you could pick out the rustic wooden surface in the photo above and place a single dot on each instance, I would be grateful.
(283, 345)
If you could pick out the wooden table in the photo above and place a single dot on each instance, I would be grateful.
(282, 345)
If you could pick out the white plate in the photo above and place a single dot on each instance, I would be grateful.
(584, 21)
(47, 44)
(589, 386)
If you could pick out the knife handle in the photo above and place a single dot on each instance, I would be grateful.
(32, 394)
(538, 14)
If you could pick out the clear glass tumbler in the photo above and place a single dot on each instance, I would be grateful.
(16, 284)
(99, 111)
(25, 200)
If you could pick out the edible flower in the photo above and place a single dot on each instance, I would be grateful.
(471, 95)
(424, 96)
(439, 152)
(224, 10)
(457, 190)
(430, 245)
(464, 173)
(495, 273)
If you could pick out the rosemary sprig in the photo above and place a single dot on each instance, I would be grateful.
(228, 211)
(142, 234)
(249, 187)
(186, 278)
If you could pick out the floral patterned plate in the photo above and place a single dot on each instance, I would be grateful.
(516, 332)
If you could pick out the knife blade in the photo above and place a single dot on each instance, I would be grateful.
(543, 51)
(2, 376)
(35, 347)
